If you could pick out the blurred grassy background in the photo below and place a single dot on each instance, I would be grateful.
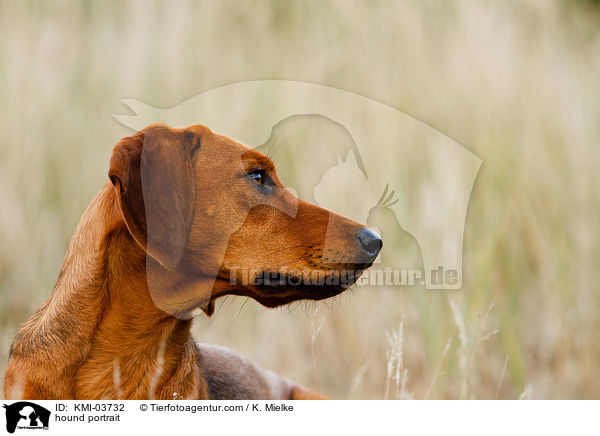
(515, 82)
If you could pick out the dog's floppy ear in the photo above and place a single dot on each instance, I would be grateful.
(152, 173)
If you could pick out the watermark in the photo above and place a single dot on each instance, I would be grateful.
(346, 277)
(25, 415)
(349, 154)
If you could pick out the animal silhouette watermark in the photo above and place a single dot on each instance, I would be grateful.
(26, 415)
(355, 156)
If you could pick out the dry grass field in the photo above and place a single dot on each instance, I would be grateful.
(517, 83)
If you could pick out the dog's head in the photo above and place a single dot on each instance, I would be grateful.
(213, 216)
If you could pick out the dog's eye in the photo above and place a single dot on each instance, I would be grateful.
(258, 177)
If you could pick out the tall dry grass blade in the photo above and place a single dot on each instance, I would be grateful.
(439, 368)
(526, 394)
(357, 380)
(501, 378)
(396, 383)
(316, 324)
(463, 358)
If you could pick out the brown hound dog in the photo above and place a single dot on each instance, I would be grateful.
(184, 212)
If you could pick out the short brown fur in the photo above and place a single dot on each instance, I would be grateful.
(104, 334)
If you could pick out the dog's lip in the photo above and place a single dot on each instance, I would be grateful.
(278, 294)
(275, 280)
(301, 292)
(271, 296)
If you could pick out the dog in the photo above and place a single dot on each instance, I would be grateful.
(186, 217)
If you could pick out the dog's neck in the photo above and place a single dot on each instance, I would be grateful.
(108, 338)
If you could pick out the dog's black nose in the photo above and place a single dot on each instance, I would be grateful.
(370, 242)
